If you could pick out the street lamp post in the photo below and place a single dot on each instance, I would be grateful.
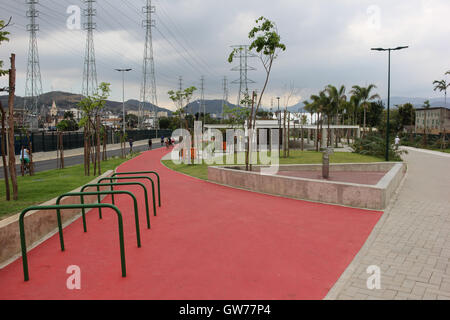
(123, 95)
(389, 91)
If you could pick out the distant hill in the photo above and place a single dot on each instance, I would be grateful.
(211, 106)
(65, 101)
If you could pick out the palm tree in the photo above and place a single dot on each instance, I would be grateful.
(364, 96)
(442, 85)
(337, 103)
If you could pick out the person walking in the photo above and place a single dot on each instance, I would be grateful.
(162, 141)
(150, 144)
(397, 142)
(131, 145)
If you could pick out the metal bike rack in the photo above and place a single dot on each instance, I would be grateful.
(98, 185)
(144, 172)
(110, 179)
(83, 194)
(65, 207)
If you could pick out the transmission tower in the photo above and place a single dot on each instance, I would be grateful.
(33, 86)
(243, 69)
(225, 93)
(90, 69)
(148, 88)
(202, 97)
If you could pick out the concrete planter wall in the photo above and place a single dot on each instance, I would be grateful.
(39, 225)
(356, 195)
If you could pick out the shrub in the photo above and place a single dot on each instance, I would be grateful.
(373, 144)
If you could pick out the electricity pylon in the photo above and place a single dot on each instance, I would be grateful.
(148, 87)
(243, 69)
(90, 69)
(33, 86)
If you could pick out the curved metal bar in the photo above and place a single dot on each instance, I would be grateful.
(110, 179)
(64, 207)
(83, 194)
(145, 172)
(123, 184)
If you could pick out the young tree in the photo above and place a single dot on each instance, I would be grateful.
(4, 37)
(12, 158)
(91, 107)
(267, 43)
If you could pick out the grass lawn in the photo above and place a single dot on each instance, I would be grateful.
(46, 185)
(296, 157)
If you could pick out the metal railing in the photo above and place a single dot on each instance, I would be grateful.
(144, 172)
(98, 185)
(67, 207)
(83, 194)
(110, 179)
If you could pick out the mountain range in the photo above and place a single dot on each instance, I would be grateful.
(65, 101)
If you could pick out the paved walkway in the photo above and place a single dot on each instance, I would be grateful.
(207, 242)
(411, 242)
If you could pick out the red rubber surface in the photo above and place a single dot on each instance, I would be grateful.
(207, 242)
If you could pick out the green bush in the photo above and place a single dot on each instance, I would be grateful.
(374, 144)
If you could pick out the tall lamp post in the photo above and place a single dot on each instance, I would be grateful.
(123, 95)
(389, 91)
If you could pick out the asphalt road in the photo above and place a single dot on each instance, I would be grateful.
(72, 161)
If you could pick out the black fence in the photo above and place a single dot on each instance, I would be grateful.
(47, 141)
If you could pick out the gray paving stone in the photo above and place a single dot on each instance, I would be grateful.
(411, 242)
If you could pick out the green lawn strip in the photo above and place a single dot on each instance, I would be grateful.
(46, 185)
(296, 157)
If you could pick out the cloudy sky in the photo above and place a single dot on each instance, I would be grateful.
(328, 42)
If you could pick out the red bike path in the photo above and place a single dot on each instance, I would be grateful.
(208, 242)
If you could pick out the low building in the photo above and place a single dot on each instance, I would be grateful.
(437, 120)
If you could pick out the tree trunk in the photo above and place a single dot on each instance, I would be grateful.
(105, 137)
(3, 151)
(97, 129)
(303, 139)
(85, 153)
(364, 131)
(12, 158)
(250, 135)
(62, 151)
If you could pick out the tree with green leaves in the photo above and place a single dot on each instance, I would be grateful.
(442, 86)
(91, 107)
(266, 41)
(364, 95)
(4, 37)
(336, 106)
(178, 97)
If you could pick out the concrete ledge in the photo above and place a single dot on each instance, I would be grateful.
(39, 225)
(350, 194)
